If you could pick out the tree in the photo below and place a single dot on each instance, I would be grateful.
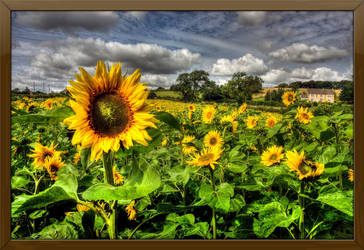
(189, 84)
(241, 87)
(282, 85)
(211, 92)
(347, 93)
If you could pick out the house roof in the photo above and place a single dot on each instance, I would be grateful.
(318, 91)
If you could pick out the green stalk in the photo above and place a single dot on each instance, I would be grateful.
(302, 215)
(108, 161)
(213, 209)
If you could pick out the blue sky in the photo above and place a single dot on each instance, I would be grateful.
(279, 46)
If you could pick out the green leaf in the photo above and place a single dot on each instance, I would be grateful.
(37, 214)
(237, 203)
(55, 115)
(318, 124)
(65, 188)
(48, 196)
(273, 215)
(168, 119)
(168, 232)
(349, 131)
(328, 154)
(223, 194)
(206, 193)
(133, 188)
(235, 167)
(18, 182)
(186, 219)
(341, 200)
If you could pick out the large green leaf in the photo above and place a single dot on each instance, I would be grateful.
(79, 225)
(341, 200)
(318, 124)
(168, 119)
(132, 189)
(65, 188)
(48, 196)
(53, 116)
(273, 215)
(224, 192)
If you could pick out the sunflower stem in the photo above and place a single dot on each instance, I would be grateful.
(302, 215)
(213, 209)
(108, 161)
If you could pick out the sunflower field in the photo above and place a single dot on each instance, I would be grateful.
(108, 163)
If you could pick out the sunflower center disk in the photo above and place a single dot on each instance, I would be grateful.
(304, 169)
(110, 114)
(273, 157)
(206, 158)
(213, 141)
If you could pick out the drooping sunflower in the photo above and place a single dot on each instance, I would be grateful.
(270, 122)
(304, 168)
(213, 139)
(188, 149)
(242, 108)
(351, 175)
(251, 121)
(235, 126)
(226, 119)
(208, 157)
(131, 211)
(208, 114)
(188, 139)
(288, 98)
(272, 155)
(303, 115)
(53, 165)
(41, 153)
(118, 178)
(84, 208)
(110, 109)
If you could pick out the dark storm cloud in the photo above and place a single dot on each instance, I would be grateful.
(69, 21)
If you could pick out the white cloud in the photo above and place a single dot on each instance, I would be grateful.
(138, 14)
(302, 53)
(251, 18)
(277, 76)
(155, 80)
(68, 21)
(247, 63)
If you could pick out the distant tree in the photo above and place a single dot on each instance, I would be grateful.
(282, 85)
(211, 92)
(241, 87)
(189, 84)
(161, 88)
(347, 93)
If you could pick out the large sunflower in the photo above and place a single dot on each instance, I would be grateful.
(251, 121)
(272, 155)
(53, 165)
(288, 98)
(41, 153)
(304, 168)
(208, 157)
(208, 114)
(110, 109)
(303, 115)
(213, 139)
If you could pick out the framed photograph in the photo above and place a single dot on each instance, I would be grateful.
(181, 124)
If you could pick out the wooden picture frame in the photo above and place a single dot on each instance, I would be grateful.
(6, 6)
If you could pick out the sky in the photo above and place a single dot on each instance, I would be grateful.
(48, 47)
